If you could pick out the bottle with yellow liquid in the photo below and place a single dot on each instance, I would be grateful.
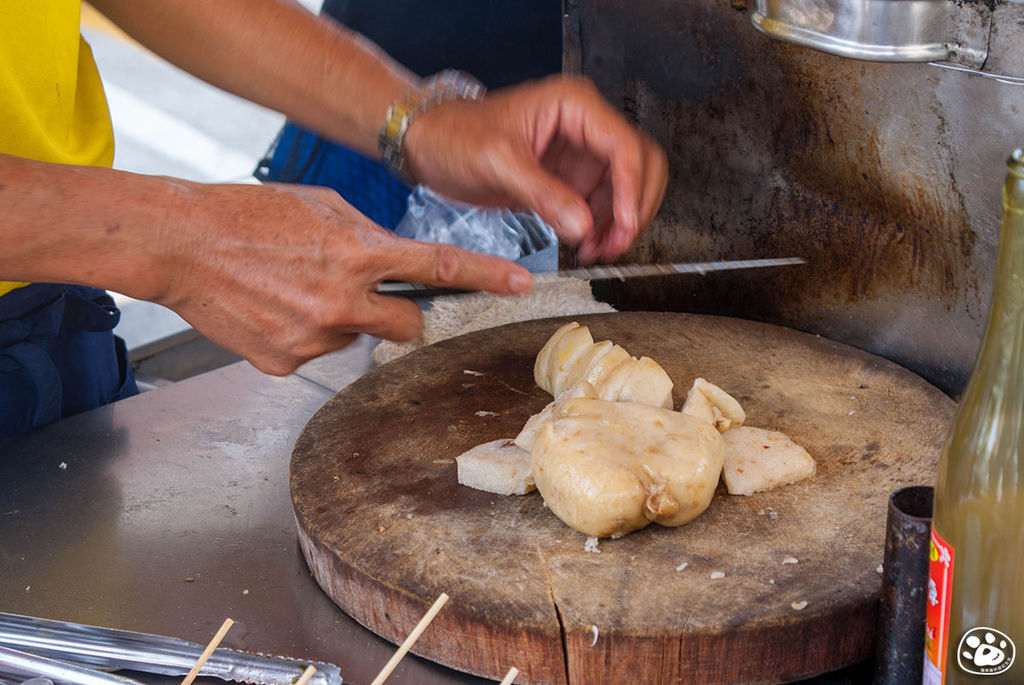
(975, 613)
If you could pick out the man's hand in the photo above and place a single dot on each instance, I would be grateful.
(282, 274)
(555, 146)
(278, 274)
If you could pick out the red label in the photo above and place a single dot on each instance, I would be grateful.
(940, 595)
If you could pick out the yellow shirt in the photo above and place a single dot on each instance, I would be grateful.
(52, 106)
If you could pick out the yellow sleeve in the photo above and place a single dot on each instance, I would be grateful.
(52, 105)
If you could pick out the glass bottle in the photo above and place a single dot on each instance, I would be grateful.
(975, 619)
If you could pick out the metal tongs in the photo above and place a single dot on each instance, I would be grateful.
(81, 654)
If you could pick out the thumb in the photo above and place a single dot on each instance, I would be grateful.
(529, 184)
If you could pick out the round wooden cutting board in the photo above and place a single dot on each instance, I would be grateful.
(386, 527)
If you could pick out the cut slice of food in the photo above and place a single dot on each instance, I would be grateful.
(498, 466)
(567, 345)
(710, 403)
(581, 366)
(637, 380)
(602, 366)
(540, 365)
(570, 356)
(757, 460)
(607, 468)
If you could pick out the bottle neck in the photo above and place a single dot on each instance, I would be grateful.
(985, 448)
(1004, 333)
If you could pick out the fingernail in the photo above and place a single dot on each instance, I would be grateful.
(520, 281)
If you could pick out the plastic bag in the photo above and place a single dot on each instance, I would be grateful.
(522, 237)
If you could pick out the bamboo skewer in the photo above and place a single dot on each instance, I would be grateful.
(208, 651)
(510, 677)
(306, 675)
(409, 641)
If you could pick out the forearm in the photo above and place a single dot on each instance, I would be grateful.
(274, 53)
(277, 273)
(86, 225)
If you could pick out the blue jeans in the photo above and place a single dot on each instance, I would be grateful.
(58, 355)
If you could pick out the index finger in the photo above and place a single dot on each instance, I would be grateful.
(447, 266)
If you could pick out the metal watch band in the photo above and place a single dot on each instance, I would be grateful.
(443, 86)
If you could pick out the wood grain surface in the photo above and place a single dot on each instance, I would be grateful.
(385, 527)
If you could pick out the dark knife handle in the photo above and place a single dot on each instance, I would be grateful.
(415, 290)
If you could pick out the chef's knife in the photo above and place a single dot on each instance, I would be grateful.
(604, 272)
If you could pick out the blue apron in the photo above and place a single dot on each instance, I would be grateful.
(58, 355)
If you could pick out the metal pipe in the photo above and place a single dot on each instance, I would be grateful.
(108, 648)
(13, 661)
(899, 646)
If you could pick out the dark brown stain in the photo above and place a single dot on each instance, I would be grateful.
(777, 150)
(820, 187)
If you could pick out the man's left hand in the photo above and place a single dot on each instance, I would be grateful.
(554, 146)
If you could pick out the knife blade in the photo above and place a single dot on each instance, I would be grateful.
(602, 272)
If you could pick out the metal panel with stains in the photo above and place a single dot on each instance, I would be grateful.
(885, 176)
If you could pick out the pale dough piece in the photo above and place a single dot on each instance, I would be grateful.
(570, 356)
(637, 380)
(559, 354)
(607, 468)
(528, 434)
(757, 459)
(602, 366)
(581, 366)
(540, 365)
(497, 466)
(709, 402)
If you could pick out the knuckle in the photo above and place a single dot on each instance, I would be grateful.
(300, 351)
(447, 262)
(327, 317)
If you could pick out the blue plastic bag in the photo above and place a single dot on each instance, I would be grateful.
(519, 236)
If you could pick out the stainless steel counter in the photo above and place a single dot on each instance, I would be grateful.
(170, 511)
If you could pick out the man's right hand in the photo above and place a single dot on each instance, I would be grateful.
(282, 274)
(277, 274)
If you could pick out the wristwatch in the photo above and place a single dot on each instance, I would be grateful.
(443, 86)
